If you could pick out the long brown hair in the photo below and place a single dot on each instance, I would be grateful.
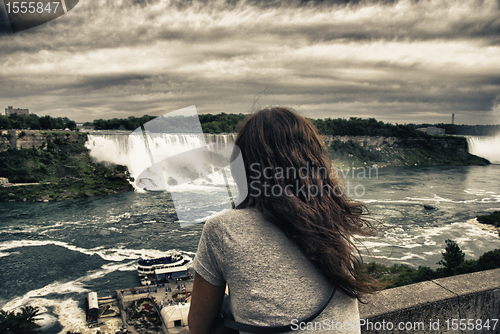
(290, 181)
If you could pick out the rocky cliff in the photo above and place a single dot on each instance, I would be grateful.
(59, 164)
(21, 139)
(52, 166)
(391, 151)
(458, 144)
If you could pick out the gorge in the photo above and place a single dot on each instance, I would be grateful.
(116, 148)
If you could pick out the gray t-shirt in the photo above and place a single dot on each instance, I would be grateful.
(270, 281)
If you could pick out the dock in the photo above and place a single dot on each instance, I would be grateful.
(159, 308)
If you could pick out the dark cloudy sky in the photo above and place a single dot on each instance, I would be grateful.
(397, 61)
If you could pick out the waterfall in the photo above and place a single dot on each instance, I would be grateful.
(108, 148)
(122, 149)
(194, 168)
(486, 147)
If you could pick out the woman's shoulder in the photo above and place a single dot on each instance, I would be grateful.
(236, 215)
(238, 221)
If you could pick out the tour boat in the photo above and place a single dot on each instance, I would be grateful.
(163, 268)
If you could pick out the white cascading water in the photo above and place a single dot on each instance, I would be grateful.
(108, 148)
(486, 147)
(173, 162)
(123, 149)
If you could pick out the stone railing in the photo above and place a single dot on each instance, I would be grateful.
(436, 306)
(440, 306)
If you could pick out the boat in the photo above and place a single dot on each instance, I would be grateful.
(163, 268)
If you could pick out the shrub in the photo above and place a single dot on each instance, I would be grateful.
(453, 262)
(493, 219)
(489, 260)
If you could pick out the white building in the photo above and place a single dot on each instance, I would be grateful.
(175, 315)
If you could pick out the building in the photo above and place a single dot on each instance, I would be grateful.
(175, 315)
(10, 111)
(432, 130)
(92, 307)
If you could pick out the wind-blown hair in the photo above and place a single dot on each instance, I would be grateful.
(288, 173)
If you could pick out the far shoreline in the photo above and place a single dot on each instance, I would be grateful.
(76, 175)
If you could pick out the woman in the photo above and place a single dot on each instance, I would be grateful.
(289, 242)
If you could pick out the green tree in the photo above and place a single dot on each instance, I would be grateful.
(71, 125)
(22, 322)
(46, 122)
(452, 258)
(489, 260)
(5, 122)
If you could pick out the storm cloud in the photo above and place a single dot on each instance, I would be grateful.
(397, 61)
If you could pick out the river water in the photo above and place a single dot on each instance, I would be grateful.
(53, 254)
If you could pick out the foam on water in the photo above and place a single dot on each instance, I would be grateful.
(34, 297)
(41, 229)
(438, 199)
(492, 209)
(117, 218)
(65, 311)
(71, 316)
(424, 200)
(46, 319)
(190, 253)
(111, 254)
(422, 241)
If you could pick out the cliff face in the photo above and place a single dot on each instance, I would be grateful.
(457, 144)
(392, 151)
(349, 151)
(21, 139)
(54, 166)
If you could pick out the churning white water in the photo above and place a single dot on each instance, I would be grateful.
(486, 147)
(188, 166)
(131, 151)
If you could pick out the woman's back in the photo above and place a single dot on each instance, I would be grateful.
(289, 241)
(270, 281)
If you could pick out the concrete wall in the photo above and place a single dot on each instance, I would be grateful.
(429, 305)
